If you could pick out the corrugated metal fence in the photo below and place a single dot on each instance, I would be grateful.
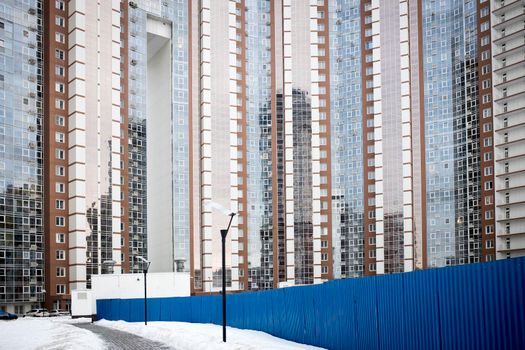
(478, 306)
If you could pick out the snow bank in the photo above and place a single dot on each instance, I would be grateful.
(46, 333)
(198, 336)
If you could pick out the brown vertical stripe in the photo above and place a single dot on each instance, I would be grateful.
(486, 253)
(366, 156)
(124, 173)
(50, 161)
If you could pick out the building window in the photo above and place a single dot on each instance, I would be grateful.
(490, 244)
(60, 21)
(489, 229)
(324, 244)
(60, 187)
(59, 4)
(324, 256)
(487, 127)
(324, 269)
(60, 38)
(485, 40)
(60, 137)
(60, 170)
(60, 71)
(60, 254)
(371, 240)
(372, 254)
(60, 104)
(59, 87)
(487, 171)
(372, 267)
(61, 238)
(60, 153)
(60, 204)
(487, 112)
(61, 272)
(60, 121)
(60, 221)
(486, 98)
(60, 54)
(488, 185)
(61, 289)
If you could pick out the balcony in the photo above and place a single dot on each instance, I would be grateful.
(506, 83)
(507, 98)
(517, 65)
(508, 7)
(508, 37)
(506, 53)
(509, 22)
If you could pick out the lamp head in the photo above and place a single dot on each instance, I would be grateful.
(214, 205)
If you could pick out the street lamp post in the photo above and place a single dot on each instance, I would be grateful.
(145, 270)
(224, 233)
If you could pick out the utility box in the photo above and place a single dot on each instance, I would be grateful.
(82, 303)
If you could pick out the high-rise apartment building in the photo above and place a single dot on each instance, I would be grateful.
(508, 88)
(22, 203)
(351, 138)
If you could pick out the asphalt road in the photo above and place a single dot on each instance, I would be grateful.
(118, 340)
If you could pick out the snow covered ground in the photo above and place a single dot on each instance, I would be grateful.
(198, 336)
(59, 333)
(47, 333)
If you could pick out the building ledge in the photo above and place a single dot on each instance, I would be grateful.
(510, 142)
(511, 173)
(509, 21)
(509, 82)
(507, 158)
(510, 250)
(510, 51)
(507, 7)
(510, 97)
(511, 219)
(510, 66)
(509, 37)
(511, 234)
(510, 188)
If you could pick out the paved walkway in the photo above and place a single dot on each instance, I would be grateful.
(117, 340)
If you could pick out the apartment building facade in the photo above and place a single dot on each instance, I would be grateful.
(359, 135)
(352, 138)
(22, 233)
(508, 89)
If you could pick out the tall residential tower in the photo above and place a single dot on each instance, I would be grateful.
(352, 138)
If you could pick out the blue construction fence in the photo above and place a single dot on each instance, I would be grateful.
(477, 306)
